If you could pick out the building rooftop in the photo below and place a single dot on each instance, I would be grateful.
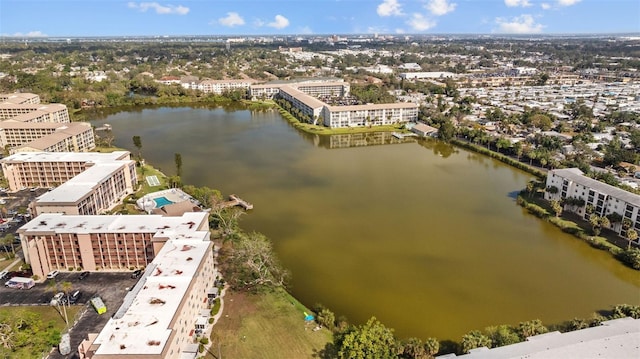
(619, 338)
(143, 325)
(94, 157)
(577, 176)
(183, 227)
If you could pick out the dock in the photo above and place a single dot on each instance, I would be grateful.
(105, 127)
(236, 201)
(403, 135)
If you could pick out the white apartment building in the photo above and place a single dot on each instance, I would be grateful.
(220, 86)
(369, 115)
(302, 96)
(604, 198)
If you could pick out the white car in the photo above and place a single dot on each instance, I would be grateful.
(58, 299)
(52, 274)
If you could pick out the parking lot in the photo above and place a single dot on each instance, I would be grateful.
(110, 286)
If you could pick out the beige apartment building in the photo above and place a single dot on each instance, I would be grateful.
(20, 98)
(34, 113)
(46, 137)
(55, 241)
(87, 183)
(161, 316)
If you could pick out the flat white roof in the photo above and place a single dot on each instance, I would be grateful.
(183, 227)
(145, 326)
(66, 157)
(81, 185)
(619, 338)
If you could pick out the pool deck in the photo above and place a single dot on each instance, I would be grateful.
(174, 195)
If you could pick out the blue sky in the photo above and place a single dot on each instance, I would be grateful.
(265, 17)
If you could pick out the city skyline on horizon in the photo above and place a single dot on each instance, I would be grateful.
(94, 18)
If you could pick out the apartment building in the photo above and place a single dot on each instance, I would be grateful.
(88, 183)
(161, 315)
(603, 198)
(369, 115)
(47, 137)
(20, 98)
(220, 86)
(56, 241)
(34, 113)
(304, 97)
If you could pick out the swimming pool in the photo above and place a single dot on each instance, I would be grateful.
(161, 201)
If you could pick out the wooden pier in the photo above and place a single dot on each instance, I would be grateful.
(236, 201)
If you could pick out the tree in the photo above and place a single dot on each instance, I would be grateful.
(632, 235)
(371, 340)
(412, 348)
(503, 335)
(446, 131)
(531, 328)
(252, 263)
(8, 241)
(556, 206)
(177, 158)
(432, 346)
(475, 339)
(326, 318)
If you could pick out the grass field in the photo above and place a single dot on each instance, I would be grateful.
(45, 314)
(269, 325)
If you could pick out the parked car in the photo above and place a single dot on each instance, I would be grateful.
(136, 273)
(58, 299)
(53, 274)
(83, 275)
(75, 296)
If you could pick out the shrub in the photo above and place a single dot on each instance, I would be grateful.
(204, 341)
(200, 348)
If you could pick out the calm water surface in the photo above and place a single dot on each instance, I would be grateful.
(425, 237)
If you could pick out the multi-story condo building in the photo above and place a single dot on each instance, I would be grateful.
(220, 86)
(88, 183)
(369, 115)
(303, 96)
(55, 241)
(604, 199)
(161, 315)
(47, 137)
(20, 98)
(34, 113)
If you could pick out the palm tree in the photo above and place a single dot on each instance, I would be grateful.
(632, 235)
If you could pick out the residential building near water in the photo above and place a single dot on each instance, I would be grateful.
(603, 198)
(85, 183)
(55, 241)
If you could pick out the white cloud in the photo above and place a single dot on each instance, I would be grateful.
(516, 3)
(160, 9)
(440, 7)
(232, 19)
(568, 2)
(523, 24)
(545, 6)
(400, 31)
(389, 8)
(306, 30)
(280, 22)
(420, 23)
(30, 34)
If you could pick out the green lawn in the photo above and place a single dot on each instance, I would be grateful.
(269, 325)
(48, 320)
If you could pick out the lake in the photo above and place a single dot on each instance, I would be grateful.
(424, 236)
